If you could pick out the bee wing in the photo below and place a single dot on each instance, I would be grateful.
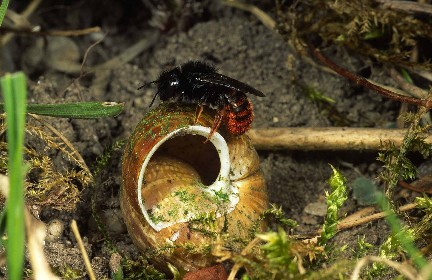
(221, 80)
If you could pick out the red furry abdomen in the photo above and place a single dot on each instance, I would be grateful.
(238, 122)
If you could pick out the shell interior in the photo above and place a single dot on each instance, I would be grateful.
(192, 185)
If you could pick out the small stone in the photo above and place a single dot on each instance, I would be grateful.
(54, 230)
(316, 209)
(115, 263)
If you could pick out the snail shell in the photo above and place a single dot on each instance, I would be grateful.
(179, 194)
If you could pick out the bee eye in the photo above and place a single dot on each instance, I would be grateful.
(174, 82)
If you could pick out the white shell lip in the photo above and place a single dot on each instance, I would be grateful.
(221, 184)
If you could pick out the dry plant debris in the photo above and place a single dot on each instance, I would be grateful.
(49, 183)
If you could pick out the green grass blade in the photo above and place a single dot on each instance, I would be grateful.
(407, 76)
(3, 8)
(402, 236)
(14, 93)
(2, 226)
(79, 110)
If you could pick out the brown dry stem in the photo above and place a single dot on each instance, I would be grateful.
(384, 91)
(425, 189)
(84, 254)
(128, 54)
(406, 6)
(25, 14)
(267, 20)
(404, 269)
(356, 219)
(325, 138)
(410, 88)
(60, 33)
(147, 42)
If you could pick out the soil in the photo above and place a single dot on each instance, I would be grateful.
(240, 46)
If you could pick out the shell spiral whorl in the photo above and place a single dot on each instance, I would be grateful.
(179, 194)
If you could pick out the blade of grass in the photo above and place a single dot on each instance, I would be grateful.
(3, 8)
(2, 225)
(14, 93)
(79, 110)
(402, 236)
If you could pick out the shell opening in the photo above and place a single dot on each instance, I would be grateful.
(195, 182)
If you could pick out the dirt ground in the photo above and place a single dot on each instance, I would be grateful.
(241, 47)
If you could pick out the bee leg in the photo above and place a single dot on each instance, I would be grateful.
(217, 121)
(199, 110)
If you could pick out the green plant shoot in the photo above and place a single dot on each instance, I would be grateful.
(278, 250)
(14, 93)
(3, 8)
(403, 236)
(425, 203)
(335, 199)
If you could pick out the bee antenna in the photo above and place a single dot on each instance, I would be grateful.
(146, 85)
(154, 97)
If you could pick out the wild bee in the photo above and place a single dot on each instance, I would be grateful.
(197, 82)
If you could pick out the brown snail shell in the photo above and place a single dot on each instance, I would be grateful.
(179, 194)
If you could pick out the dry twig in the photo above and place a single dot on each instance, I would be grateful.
(406, 6)
(260, 14)
(62, 33)
(410, 88)
(83, 251)
(325, 138)
(404, 269)
(405, 185)
(369, 84)
(358, 218)
(127, 55)
(349, 222)
(25, 14)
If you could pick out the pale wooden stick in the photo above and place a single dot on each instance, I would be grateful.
(267, 20)
(325, 138)
(350, 222)
(36, 232)
(406, 6)
(404, 269)
(83, 251)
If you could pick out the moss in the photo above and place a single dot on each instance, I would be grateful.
(140, 269)
(385, 35)
(47, 184)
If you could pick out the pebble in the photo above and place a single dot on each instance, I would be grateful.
(316, 209)
(54, 230)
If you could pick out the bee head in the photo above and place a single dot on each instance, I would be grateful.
(168, 84)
